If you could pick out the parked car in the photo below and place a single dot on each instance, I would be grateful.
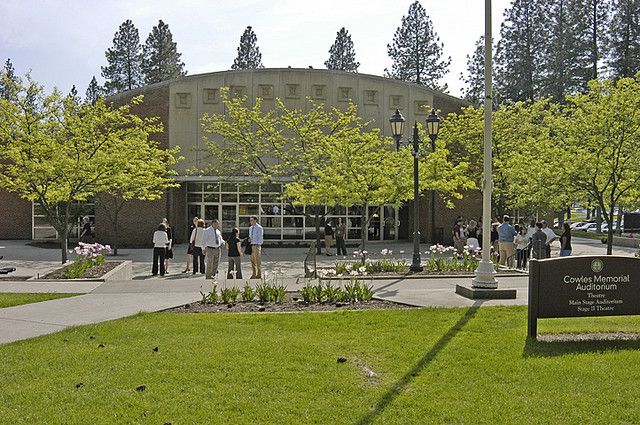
(573, 226)
(585, 226)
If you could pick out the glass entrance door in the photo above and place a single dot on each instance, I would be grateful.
(229, 218)
(389, 223)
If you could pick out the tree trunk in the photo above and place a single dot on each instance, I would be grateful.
(610, 231)
(569, 213)
(116, 239)
(363, 229)
(64, 239)
(599, 220)
(560, 218)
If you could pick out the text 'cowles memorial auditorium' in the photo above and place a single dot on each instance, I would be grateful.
(181, 103)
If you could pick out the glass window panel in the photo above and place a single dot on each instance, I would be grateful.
(292, 233)
(210, 212)
(40, 222)
(271, 222)
(272, 187)
(249, 197)
(194, 211)
(337, 210)
(272, 233)
(355, 210)
(354, 233)
(316, 209)
(38, 210)
(270, 198)
(248, 209)
(310, 234)
(248, 187)
(293, 222)
(194, 187)
(44, 233)
(291, 210)
(271, 209)
(194, 197)
(229, 187)
(211, 197)
(228, 197)
(244, 221)
(229, 212)
(212, 187)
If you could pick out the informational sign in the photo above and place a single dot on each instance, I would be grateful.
(583, 286)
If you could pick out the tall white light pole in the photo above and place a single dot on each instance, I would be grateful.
(486, 273)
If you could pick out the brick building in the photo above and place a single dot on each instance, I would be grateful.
(180, 103)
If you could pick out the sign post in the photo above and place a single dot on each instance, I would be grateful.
(583, 287)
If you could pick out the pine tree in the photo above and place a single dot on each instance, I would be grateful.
(624, 53)
(73, 95)
(474, 79)
(124, 69)
(93, 92)
(595, 14)
(566, 55)
(161, 60)
(342, 57)
(519, 71)
(249, 56)
(416, 51)
(9, 82)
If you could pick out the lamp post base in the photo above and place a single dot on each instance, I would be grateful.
(485, 276)
(415, 268)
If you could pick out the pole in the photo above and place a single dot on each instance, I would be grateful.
(415, 265)
(433, 199)
(485, 273)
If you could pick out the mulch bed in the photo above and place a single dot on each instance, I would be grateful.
(93, 273)
(588, 337)
(293, 303)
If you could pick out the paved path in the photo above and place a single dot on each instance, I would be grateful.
(113, 300)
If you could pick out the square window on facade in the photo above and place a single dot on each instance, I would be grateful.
(371, 97)
(395, 101)
(344, 94)
(183, 100)
(265, 91)
(293, 91)
(238, 91)
(210, 96)
(318, 91)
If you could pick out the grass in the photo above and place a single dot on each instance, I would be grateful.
(13, 299)
(434, 366)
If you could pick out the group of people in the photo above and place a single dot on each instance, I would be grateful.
(519, 242)
(337, 233)
(205, 248)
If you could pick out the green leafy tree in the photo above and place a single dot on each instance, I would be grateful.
(342, 56)
(600, 131)
(624, 39)
(57, 153)
(124, 60)
(330, 157)
(93, 93)
(160, 57)
(416, 51)
(249, 56)
(9, 82)
(519, 69)
(145, 177)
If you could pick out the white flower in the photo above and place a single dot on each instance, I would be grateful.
(402, 252)
(362, 269)
(365, 252)
(353, 273)
(384, 251)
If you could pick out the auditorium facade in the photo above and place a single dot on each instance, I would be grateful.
(180, 104)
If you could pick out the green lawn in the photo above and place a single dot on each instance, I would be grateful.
(10, 299)
(438, 366)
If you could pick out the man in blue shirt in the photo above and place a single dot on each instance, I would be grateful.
(506, 234)
(256, 238)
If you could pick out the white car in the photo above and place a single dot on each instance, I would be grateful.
(585, 226)
(573, 226)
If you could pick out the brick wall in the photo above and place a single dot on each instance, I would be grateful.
(15, 216)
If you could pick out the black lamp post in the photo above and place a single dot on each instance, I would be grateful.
(433, 127)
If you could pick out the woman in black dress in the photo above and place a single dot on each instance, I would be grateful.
(86, 234)
(235, 255)
(169, 253)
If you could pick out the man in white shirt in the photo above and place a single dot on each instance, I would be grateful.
(256, 239)
(551, 236)
(213, 242)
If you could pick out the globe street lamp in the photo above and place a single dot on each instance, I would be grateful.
(397, 127)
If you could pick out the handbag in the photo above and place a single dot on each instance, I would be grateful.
(246, 243)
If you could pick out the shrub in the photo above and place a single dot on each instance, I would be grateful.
(278, 293)
(88, 255)
(263, 291)
(331, 292)
(229, 295)
(308, 294)
(248, 293)
(211, 297)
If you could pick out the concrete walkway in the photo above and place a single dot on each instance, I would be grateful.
(113, 300)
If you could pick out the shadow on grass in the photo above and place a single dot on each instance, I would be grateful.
(535, 348)
(404, 382)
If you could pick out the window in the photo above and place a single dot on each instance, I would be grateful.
(370, 97)
(318, 91)
(293, 91)
(183, 100)
(344, 94)
(210, 96)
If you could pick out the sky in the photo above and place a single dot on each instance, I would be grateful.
(63, 42)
